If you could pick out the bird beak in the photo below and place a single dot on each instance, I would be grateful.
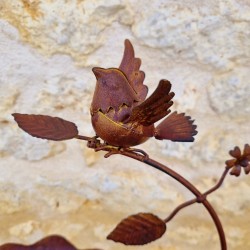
(99, 72)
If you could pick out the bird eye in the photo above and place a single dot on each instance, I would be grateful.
(104, 82)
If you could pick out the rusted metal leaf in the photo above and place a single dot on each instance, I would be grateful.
(53, 242)
(46, 127)
(138, 229)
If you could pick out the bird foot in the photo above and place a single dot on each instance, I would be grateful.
(138, 153)
(111, 149)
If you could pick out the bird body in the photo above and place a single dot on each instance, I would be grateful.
(121, 114)
(120, 134)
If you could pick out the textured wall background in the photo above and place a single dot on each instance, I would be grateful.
(47, 50)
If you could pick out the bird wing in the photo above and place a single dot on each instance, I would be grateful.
(130, 66)
(154, 107)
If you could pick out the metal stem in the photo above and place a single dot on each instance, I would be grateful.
(177, 209)
(219, 182)
(202, 197)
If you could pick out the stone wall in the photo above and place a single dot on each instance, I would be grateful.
(47, 50)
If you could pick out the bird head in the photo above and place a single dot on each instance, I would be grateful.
(112, 90)
(110, 79)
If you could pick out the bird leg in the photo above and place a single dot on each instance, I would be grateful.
(123, 151)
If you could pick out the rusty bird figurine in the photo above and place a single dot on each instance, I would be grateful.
(123, 118)
(121, 114)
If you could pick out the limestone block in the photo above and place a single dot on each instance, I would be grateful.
(227, 93)
(68, 27)
(197, 33)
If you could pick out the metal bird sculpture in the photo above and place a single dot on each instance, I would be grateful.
(121, 115)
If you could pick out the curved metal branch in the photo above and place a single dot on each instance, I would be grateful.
(190, 187)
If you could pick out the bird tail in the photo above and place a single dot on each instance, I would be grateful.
(176, 127)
